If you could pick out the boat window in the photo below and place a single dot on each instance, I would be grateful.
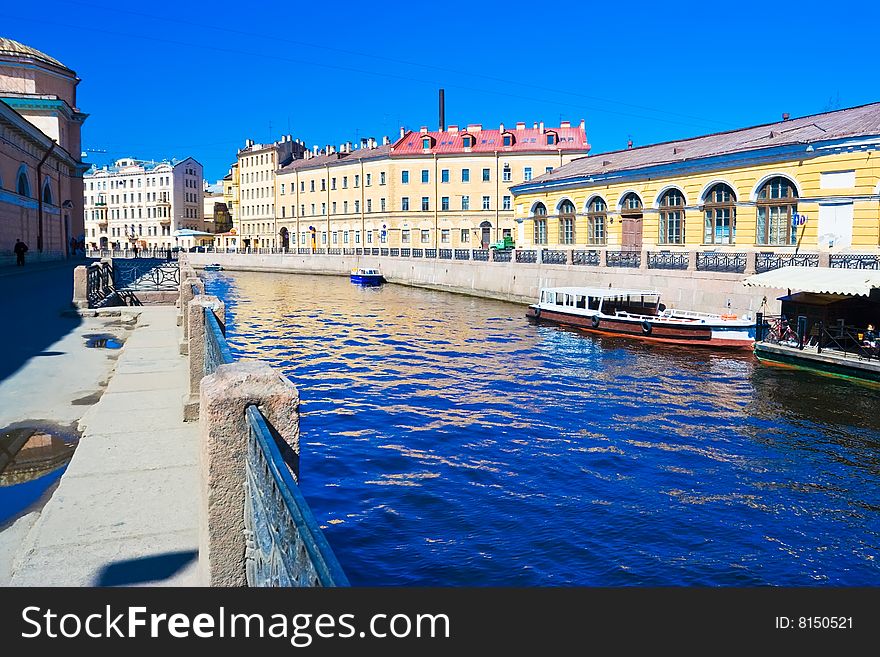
(581, 302)
(595, 302)
(569, 300)
(559, 298)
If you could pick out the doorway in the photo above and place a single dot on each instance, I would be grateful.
(485, 234)
(631, 232)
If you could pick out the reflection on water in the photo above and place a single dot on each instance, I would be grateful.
(447, 441)
(32, 460)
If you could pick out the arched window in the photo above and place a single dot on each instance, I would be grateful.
(719, 208)
(631, 204)
(566, 222)
(777, 203)
(540, 215)
(47, 193)
(23, 187)
(597, 215)
(672, 217)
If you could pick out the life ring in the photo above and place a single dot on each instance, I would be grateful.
(646, 327)
(595, 321)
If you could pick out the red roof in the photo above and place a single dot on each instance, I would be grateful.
(488, 141)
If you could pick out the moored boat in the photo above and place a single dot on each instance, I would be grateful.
(363, 276)
(214, 267)
(639, 314)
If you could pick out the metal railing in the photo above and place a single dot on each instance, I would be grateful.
(800, 334)
(767, 260)
(430, 253)
(285, 544)
(502, 255)
(480, 254)
(729, 262)
(99, 283)
(667, 260)
(855, 261)
(623, 259)
(590, 258)
(462, 254)
(418, 253)
(526, 255)
(554, 257)
(144, 274)
(444, 254)
(395, 253)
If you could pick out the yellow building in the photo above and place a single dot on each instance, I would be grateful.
(811, 183)
(430, 189)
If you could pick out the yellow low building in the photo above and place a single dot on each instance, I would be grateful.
(429, 189)
(811, 183)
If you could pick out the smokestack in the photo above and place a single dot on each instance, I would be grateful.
(442, 110)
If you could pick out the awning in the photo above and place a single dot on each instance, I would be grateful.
(822, 280)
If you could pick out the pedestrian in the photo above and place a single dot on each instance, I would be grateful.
(135, 251)
(20, 249)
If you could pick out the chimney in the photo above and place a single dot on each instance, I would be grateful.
(629, 143)
(501, 128)
(442, 110)
(583, 125)
(452, 129)
(314, 150)
(348, 147)
(541, 127)
(520, 125)
(372, 143)
(474, 127)
(423, 130)
(402, 132)
(386, 140)
(785, 116)
(363, 142)
(565, 124)
(535, 126)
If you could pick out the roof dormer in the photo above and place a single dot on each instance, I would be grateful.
(552, 137)
(468, 140)
(427, 142)
(508, 138)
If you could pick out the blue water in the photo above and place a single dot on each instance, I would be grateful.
(447, 441)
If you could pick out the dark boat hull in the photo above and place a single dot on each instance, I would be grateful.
(654, 331)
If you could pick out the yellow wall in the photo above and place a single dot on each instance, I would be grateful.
(743, 180)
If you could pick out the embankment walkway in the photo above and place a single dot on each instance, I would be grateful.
(125, 511)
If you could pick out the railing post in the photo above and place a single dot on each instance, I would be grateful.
(195, 322)
(224, 396)
(569, 257)
(643, 259)
(186, 295)
(801, 330)
(81, 287)
(824, 258)
(692, 261)
(759, 327)
(751, 263)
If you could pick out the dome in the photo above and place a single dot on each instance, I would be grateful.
(10, 48)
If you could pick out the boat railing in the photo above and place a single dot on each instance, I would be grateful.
(817, 336)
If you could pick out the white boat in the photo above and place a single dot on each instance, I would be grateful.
(639, 314)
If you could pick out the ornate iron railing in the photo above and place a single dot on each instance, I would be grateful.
(359, 251)
(590, 258)
(712, 261)
(430, 253)
(285, 545)
(383, 252)
(395, 253)
(334, 251)
(554, 257)
(504, 255)
(303, 251)
(525, 256)
(667, 260)
(855, 261)
(347, 251)
(623, 259)
(462, 254)
(445, 254)
(99, 283)
(374, 251)
(480, 254)
(320, 251)
(767, 260)
(418, 253)
(405, 253)
(140, 274)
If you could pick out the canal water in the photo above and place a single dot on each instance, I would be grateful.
(447, 441)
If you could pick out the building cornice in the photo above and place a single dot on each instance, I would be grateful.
(29, 131)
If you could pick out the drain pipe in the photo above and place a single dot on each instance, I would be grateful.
(40, 194)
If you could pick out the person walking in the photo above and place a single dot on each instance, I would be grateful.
(19, 250)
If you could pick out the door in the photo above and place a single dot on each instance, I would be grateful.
(485, 234)
(631, 238)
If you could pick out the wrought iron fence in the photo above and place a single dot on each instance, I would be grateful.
(374, 251)
(855, 261)
(319, 251)
(334, 251)
(462, 254)
(767, 260)
(623, 259)
(430, 253)
(480, 254)
(590, 258)
(729, 262)
(667, 260)
(525, 256)
(99, 283)
(502, 255)
(418, 253)
(405, 253)
(395, 253)
(359, 251)
(383, 252)
(303, 251)
(554, 257)
(142, 274)
(285, 544)
(347, 251)
(445, 254)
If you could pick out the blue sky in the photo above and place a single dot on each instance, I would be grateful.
(165, 80)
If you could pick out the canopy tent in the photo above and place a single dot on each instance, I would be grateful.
(821, 280)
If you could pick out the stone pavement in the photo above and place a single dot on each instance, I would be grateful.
(125, 511)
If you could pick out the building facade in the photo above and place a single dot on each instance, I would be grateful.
(257, 164)
(430, 189)
(808, 184)
(136, 203)
(40, 167)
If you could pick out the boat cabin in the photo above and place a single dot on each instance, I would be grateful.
(606, 301)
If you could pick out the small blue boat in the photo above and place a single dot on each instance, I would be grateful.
(214, 267)
(362, 276)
